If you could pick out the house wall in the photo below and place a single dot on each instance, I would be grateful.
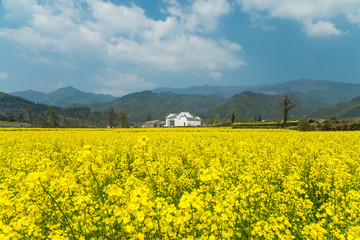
(167, 124)
(153, 125)
(194, 123)
(181, 120)
(159, 124)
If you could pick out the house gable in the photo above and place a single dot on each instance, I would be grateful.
(182, 119)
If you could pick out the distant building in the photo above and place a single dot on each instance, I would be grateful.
(182, 119)
(153, 124)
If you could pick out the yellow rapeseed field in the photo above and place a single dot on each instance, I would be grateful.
(190, 183)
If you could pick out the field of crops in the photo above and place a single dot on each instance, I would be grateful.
(194, 183)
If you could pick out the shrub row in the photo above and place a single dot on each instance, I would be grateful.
(245, 124)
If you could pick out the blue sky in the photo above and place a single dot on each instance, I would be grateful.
(123, 46)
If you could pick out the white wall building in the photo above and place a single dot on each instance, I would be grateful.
(182, 119)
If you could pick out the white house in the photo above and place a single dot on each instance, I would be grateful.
(182, 119)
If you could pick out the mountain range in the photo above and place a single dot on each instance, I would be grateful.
(344, 110)
(328, 92)
(13, 105)
(249, 105)
(323, 91)
(64, 97)
(318, 99)
(137, 105)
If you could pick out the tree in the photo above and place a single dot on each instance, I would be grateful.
(11, 118)
(30, 117)
(233, 117)
(148, 116)
(20, 117)
(210, 122)
(53, 118)
(288, 101)
(63, 115)
(110, 117)
(123, 118)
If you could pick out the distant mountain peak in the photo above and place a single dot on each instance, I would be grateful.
(65, 96)
(67, 89)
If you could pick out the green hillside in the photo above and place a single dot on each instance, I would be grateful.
(64, 97)
(247, 105)
(13, 105)
(17, 109)
(136, 105)
(345, 110)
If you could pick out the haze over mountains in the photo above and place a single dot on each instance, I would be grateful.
(318, 98)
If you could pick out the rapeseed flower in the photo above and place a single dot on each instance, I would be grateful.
(179, 184)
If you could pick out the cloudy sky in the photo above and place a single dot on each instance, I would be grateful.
(122, 46)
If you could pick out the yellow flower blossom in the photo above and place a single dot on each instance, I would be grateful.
(188, 183)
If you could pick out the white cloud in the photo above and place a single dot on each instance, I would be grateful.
(4, 76)
(314, 15)
(122, 82)
(321, 29)
(258, 20)
(182, 53)
(84, 29)
(207, 12)
(113, 92)
(18, 9)
(201, 15)
(215, 74)
(111, 19)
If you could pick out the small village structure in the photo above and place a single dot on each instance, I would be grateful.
(182, 119)
(153, 124)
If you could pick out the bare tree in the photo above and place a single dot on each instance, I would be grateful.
(288, 101)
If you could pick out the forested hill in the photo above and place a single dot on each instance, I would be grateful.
(15, 106)
(64, 97)
(247, 105)
(345, 110)
(138, 105)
